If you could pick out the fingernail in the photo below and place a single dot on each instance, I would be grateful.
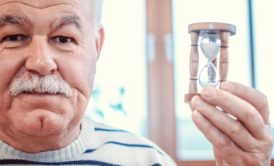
(197, 102)
(226, 86)
(208, 93)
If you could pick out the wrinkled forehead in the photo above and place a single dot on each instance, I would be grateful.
(47, 3)
(41, 4)
(83, 9)
(86, 6)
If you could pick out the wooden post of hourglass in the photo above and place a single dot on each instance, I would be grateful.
(224, 36)
(224, 30)
(193, 66)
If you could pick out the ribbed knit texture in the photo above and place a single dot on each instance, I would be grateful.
(97, 144)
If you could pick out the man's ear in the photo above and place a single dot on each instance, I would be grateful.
(100, 40)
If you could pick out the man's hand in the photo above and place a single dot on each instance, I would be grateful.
(235, 119)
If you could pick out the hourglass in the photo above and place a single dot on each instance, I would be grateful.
(213, 39)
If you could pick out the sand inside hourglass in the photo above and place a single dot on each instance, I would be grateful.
(210, 46)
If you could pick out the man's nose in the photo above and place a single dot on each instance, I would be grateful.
(40, 58)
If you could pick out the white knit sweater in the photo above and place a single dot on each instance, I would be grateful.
(97, 144)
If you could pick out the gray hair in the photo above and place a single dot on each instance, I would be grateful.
(98, 12)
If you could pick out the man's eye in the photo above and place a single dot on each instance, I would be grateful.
(63, 39)
(15, 38)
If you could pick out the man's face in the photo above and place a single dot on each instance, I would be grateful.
(46, 38)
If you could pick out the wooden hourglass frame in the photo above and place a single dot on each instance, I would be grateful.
(196, 31)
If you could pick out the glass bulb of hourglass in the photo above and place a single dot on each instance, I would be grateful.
(208, 75)
(210, 46)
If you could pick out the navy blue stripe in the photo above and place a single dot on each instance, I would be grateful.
(127, 145)
(89, 150)
(156, 164)
(79, 162)
(131, 145)
(109, 130)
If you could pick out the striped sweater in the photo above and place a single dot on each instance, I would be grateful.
(97, 144)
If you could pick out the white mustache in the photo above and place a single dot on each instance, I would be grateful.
(39, 84)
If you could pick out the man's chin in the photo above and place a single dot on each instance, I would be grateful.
(42, 123)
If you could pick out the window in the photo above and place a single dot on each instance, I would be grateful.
(138, 91)
(119, 96)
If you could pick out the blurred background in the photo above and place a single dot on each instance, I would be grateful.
(143, 71)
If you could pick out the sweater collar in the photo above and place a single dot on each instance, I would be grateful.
(70, 152)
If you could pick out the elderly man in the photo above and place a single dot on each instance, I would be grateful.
(48, 54)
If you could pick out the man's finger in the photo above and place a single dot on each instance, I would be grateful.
(253, 96)
(237, 107)
(226, 148)
(226, 124)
